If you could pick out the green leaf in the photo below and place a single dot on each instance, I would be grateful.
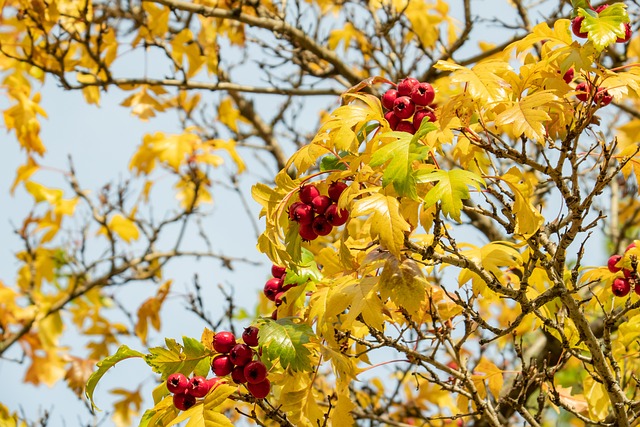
(177, 358)
(604, 27)
(160, 415)
(331, 162)
(400, 154)
(285, 340)
(306, 270)
(452, 188)
(577, 4)
(123, 353)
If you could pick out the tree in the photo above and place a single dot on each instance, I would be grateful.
(428, 234)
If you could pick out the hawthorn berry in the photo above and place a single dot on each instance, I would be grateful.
(237, 375)
(177, 383)
(627, 273)
(405, 86)
(336, 217)
(620, 287)
(420, 115)
(388, 98)
(423, 94)
(271, 288)
(611, 264)
(393, 120)
(274, 314)
(255, 372)
(241, 354)
(183, 401)
(221, 365)
(583, 90)
(627, 34)
(307, 232)
(223, 341)
(568, 75)
(213, 382)
(301, 213)
(277, 271)
(335, 190)
(250, 336)
(576, 25)
(320, 204)
(321, 226)
(260, 390)
(403, 107)
(405, 126)
(279, 299)
(603, 97)
(198, 387)
(631, 246)
(308, 193)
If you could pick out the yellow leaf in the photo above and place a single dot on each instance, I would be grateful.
(384, 217)
(24, 172)
(229, 114)
(403, 283)
(124, 227)
(529, 115)
(149, 312)
(597, 397)
(229, 146)
(484, 81)
(127, 408)
(43, 194)
(341, 413)
(491, 374)
(528, 218)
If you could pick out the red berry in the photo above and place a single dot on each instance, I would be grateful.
(221, 365)
(611, 264)
(423, 94)
(627, 273)
(620, 287)
(321, 226)
(237, 375)
(277, 271)
(177, 383)
(259, 390)
(223, 341)
(568, 75)
(406, 86)
(271, 288)
(335, 190)
(636, 288)
(279, 299)
(404, 107)
(583, 91)
(575, 27)
(601, 8)
(250, 336)
(241, 354)
(602, 97)
(301, 213)
(307, 193)
(388, 98)
(421, 115)
(198, 387)
(320, 204)
(274, 314)
(393, 120)
(631, 246)
(213, 382)
(627, 34)
(406, 126)
(183, 401)
(307, 232)
(336, 217)
(255, 372)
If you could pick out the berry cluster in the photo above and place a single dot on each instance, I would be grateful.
(622, 285)
(409, 104)
(601, 97)
(186, 391)
(275, 288)
(237, 359)
(576, 27)
(317, 214)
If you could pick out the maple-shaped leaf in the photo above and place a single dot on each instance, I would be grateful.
(149, 312)
(403, 283)
(529, 115)
(402, 150)
(452, 188)
(528, 218)
(484, 81)
(559, 36)
(604, 27)
(286, 341)
(127, 407)
(122, 226)
(176, 357)
(123, 353)
(298, 398)
(361, 298)
(489, 372)
(385, 219)
(306, 270)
